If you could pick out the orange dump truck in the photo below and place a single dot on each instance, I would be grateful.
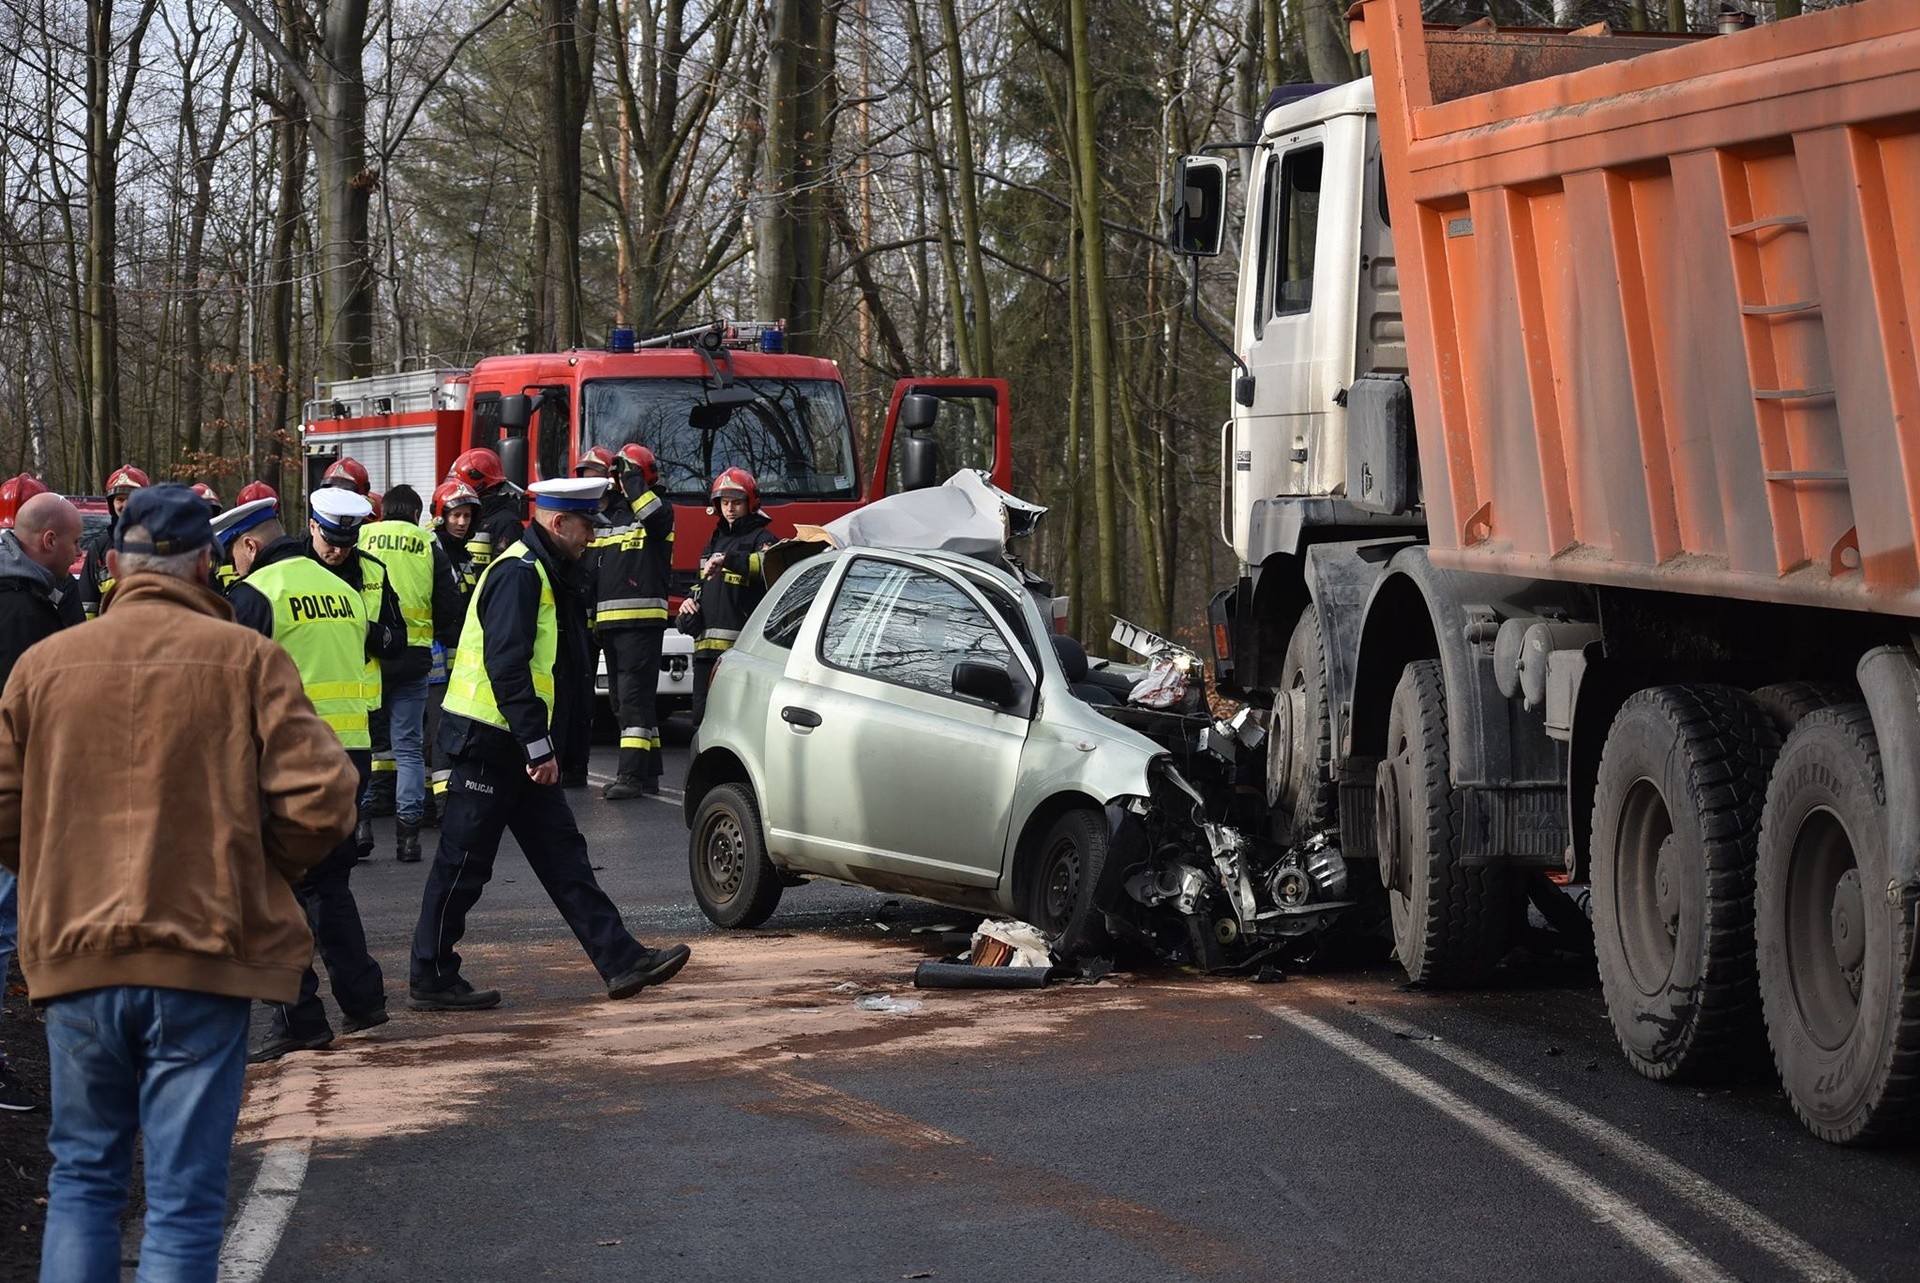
(1574, 474)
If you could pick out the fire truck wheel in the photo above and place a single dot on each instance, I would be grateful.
(1676, 816)
(734, 882)
(1451, 921)
(1300, 791)
(1842, 1003)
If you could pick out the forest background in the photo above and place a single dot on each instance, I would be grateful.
(207, 206)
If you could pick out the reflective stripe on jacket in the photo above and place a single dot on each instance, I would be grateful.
(322, 623)
(470, 690)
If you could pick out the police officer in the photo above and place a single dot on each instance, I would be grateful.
(287, 594)
(430, 606)
(96, 581)
(632, 562)
(454, 506)
(729, 585)
(512, 695)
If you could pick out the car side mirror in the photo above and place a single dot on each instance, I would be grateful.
(1199, 206)
(989, 682)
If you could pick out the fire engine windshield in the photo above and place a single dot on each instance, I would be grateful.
(793, 434)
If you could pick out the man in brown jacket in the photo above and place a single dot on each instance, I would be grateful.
(163, 777)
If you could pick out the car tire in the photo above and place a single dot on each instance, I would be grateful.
(1676, 816)
(1061, 892)
(1837, 981)
(734, 882)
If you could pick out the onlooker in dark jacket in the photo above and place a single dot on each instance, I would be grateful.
(154, 854)
(38, 597)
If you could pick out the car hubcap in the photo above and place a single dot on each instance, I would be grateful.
(726, 856)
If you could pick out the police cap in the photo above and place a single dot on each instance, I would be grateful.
(339, 514)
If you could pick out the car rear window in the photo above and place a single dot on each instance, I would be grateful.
(788, 613)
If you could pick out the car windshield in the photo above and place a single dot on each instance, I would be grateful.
(792, 434)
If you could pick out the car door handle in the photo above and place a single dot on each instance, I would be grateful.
(794, 715)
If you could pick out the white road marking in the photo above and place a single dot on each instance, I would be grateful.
(672, 797)
(1782, 1244)
(1660, 1244)
(255, 1232)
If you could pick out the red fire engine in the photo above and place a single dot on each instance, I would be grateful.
(703, 400)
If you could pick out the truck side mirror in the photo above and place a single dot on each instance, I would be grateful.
(515, 411)
(918, 411)
(919, 462)
(1199, 206)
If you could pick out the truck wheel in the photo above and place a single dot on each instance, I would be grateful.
(733, 881)
(1675, 819)
(1300, 791)
(1842, 1003)
(1788, 702)
(1060, 895)
(1451, 921)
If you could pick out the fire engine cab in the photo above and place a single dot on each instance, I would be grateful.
(702, 399)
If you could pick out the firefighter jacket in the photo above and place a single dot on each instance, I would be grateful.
(322, 623)
(460, 561)
(728, 596)
(631, 563)
(386, 630)
(496, 526)
(423, 584)
(95, 581)
(518, 678)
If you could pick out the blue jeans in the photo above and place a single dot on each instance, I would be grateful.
(406, 705)
(9, 924)
(168, 1064)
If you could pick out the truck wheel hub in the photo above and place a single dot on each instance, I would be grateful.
(1667, 876)
(1849, 927)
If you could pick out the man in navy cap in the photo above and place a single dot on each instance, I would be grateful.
(515, 689)
(324, 621)
(154, 855)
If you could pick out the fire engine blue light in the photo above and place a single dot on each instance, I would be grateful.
(773, 341)
(622, 340)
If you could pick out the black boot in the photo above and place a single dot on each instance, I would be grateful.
(406, 842)
(622, 788)
(363, 836)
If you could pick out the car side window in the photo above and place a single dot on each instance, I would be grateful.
(904, 625)
(790, 611)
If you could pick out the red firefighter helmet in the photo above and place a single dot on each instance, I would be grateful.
(14, 492)
(126, 479)
(598, 457)
(349, 474)
(374, 499)
(479, 468)
(211, 495)
(636, 457)
(735, 481)
(453, 494)
(256, 490)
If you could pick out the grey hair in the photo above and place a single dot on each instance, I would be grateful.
(181, 565)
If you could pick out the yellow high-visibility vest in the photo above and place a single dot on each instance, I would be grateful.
(407, 552)
(469, 689)
(322, 624)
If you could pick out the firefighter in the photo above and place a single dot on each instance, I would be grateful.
(210, 497)
(512, 695)
(287, 593)
(430, 608)
(597, 462)
(16, 491)
(348, 473)
(632, 563)
(454, 506)
(256, 490)
(96, 581)
(728, 584)
(499, 521)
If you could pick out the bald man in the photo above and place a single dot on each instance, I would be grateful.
(38, 597)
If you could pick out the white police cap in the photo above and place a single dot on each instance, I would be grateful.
(239, 519)
(339, 513)
(570, 494)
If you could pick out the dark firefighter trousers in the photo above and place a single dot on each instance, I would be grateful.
(484, 801)
(633, 672)
(335, 918)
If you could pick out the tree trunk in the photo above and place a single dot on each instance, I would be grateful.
(204, 157)
(569, 29)
(1328, 61)
(982, 327)
(936, 182)
(791, 224)
(339, 124)
(1106, 595)
(283, 267)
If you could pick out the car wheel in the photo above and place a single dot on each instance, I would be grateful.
(733, 880)
(1060, 895)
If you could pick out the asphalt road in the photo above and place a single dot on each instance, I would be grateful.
(750, 1121)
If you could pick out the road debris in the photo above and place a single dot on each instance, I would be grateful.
(888, 1003)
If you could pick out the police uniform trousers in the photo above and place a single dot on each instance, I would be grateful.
(484, 800)
(335, 918)
(633, 670)
(577, 744)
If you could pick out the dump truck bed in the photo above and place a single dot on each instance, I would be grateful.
(1660, 295)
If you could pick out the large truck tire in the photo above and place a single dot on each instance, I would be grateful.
(1451, 921)
(1835, 958)
(1676, 817)
(1300, 788)
(1788, 702)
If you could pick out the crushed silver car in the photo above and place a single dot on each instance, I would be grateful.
(908, 720)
